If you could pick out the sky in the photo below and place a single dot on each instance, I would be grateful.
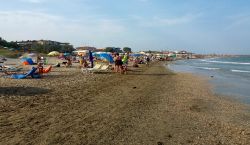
(199, 26)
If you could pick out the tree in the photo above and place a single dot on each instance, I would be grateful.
(109, 49)
(67, 48)
(11, 44)
(117, 50)
(127, 49)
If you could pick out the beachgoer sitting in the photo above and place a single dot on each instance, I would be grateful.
(69, 63)
(83, 62)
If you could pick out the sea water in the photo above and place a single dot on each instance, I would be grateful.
(230, 76)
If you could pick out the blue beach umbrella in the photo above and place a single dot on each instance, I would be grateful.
(107, 56)
(66, 54)
(135, 54)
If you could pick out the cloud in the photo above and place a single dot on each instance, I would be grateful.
(32, 1)
(26, 25)
(238, 21)
(143, 0)
(159, 21)
(178, 20)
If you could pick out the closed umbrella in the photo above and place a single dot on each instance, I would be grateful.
(91, 59)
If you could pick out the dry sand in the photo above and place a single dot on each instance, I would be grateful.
(147, 106)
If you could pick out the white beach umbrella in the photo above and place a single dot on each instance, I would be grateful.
(54, 53)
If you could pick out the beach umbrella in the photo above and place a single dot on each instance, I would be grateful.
(107, 57)
(136, 54)
(27, 61)
(54, 53)
(66, 54)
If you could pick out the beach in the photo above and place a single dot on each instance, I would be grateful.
(149, 105)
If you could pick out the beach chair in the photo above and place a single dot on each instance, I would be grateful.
(10, 68)
(103, 68)
(13, 69)
(22, 76)
(88, 70)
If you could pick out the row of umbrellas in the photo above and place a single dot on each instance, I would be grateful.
(101, 55)
(56, 53)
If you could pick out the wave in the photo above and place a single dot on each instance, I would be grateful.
(208, 68)
(241, 71)
(227, 62)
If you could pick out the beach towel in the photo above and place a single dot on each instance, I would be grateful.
(22, 76)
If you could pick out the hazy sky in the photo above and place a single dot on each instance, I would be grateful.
(201, 26)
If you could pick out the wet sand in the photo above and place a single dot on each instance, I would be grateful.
(147, 106)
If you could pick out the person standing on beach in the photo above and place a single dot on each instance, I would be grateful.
(125, 62)
(91, 59)
(118, 63)
(147, 61)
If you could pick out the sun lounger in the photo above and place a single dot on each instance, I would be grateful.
(13, 69)
(10, 68)
(88, 70)
(102, 69)
(22, 76)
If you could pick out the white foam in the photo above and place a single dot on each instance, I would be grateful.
(228, 62)
(208, 68)
(241, 71)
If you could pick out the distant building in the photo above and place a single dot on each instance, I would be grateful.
(184, 55)
(100, 50)
(29, 43)
(86, 48)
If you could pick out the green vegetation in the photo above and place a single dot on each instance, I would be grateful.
(127, 49)
(33, 46)
(52, 47)
(8, 53)
(5, 43)
(113, 49)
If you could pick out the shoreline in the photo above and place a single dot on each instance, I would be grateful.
(211, 86)
(225, 81)
(146, 106)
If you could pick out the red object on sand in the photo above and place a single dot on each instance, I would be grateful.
(25, 63)
(47, 70)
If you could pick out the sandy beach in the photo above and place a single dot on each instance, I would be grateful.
(148, 106)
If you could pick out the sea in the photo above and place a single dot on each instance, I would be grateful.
(230, 76)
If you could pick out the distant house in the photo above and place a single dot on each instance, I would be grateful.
(86, 48)
(184, 55)
(100, 50)
(27, 45)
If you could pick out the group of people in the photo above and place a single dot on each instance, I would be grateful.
(83, 61)
(121, 63)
